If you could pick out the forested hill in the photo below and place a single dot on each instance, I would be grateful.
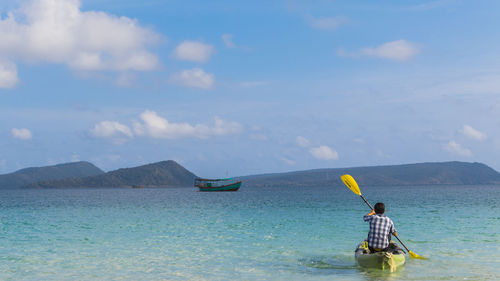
(35, 174)
(169, 173)
(444, 173)
(162, 174)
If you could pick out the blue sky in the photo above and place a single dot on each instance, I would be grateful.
(247, 87)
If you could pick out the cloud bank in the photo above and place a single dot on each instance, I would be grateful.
(152, 125)
(57, 31)
(228, 41)
(22, 134)
(324, 152)
(194, 78)
(301, 141)
(456, 148)
(472, 133)
(8, 75)
(107, 129)
(326, 23)
(400, 50)
(193, 51)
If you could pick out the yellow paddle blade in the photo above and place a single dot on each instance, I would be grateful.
(351, 183)
(415, 256)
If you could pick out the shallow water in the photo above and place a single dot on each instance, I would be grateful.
(253, 234)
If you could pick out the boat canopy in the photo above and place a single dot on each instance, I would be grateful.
(226, 179)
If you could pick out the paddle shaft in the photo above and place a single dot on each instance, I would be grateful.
(369, 205)
(402, 243)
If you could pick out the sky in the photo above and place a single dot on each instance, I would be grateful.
(232, 88)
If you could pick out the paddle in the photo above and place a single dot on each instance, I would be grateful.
(353, 186)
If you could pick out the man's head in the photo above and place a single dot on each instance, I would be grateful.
(379, 208)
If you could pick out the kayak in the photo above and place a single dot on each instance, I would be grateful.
(392, 259)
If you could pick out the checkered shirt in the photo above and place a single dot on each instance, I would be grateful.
(380, 229)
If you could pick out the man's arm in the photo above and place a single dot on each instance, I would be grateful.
(371, 213)
(393, 229)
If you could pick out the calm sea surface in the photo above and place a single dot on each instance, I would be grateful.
(253, 234)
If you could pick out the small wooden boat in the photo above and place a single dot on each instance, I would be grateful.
(228, 184)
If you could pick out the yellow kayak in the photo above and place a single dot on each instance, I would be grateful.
(391, 260)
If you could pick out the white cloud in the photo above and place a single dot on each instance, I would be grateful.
(193, 51)
(228, 41)
(400, 50)
(57, 31)
(250, 84)
(223, 127)
(23, 134)
(359, 140)
(430, 5)
(8, 75)
(456, 148)
(472, 133)
(324, 152)
(301, 141)
(155, 126)
(194, 78)
(111, 130)
(125, 80)
(326, 23)
(288, 161)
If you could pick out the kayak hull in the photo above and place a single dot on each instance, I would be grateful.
(391, 260)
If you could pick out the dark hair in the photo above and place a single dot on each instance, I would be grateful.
(379, 208)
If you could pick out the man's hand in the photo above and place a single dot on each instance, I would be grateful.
(371, 213)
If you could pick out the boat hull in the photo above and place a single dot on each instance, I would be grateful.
(391, 260)
(230, 187)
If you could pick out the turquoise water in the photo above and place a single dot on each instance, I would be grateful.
(253, 234)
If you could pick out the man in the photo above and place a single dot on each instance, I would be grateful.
(381, 228)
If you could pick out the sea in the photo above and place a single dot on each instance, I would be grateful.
(272, 233)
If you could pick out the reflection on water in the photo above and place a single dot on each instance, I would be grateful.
(377, 274)
(333, 263)
(340, 265)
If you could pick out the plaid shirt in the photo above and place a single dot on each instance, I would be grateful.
(380, 229)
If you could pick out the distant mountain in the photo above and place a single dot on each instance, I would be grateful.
(162, 174)
(36, 174)
(169, 173)
(445, 173)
